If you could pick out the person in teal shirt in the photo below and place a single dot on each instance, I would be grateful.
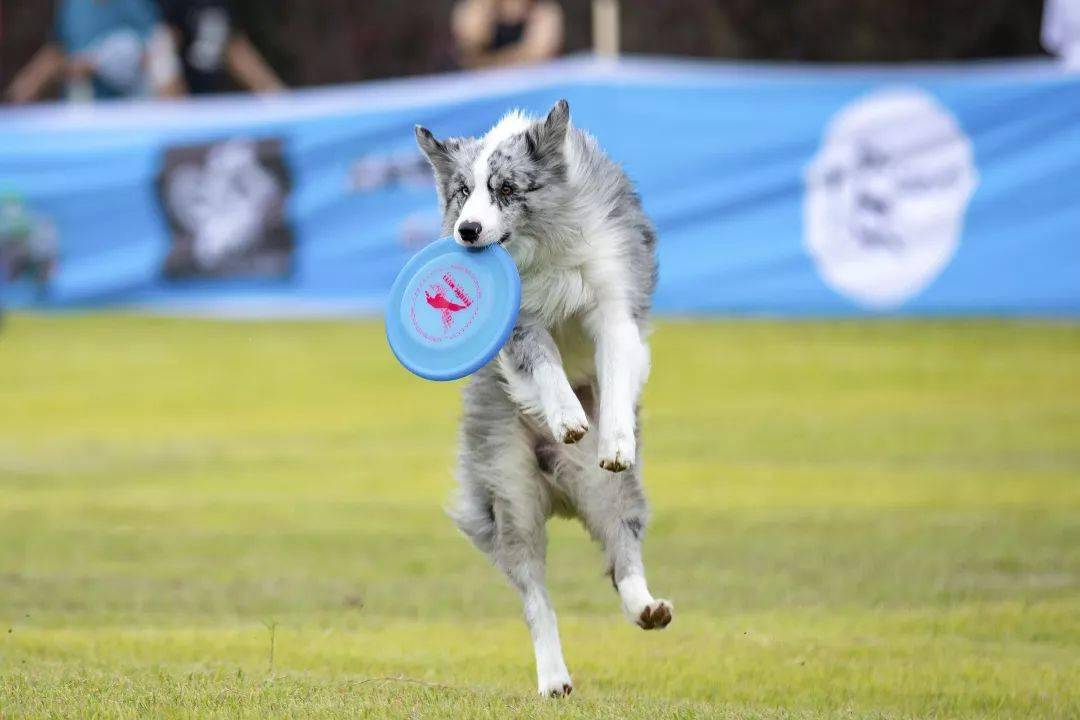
(97, 46)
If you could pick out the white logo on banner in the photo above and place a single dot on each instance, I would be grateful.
(886, 196)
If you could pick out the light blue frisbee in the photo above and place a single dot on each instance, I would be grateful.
(451, 309)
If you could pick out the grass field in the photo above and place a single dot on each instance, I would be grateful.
(854, 519)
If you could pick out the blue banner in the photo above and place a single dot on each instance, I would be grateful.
(778, 190)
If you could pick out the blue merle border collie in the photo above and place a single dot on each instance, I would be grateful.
(550, 425)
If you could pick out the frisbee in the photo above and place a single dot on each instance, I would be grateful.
(451, 309)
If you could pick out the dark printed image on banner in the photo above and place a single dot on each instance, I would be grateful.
(225, 204)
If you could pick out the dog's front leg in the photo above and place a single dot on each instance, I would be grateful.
(536, 380)
(622, 365)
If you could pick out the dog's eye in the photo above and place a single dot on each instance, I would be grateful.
(464, 190)
(506, 190)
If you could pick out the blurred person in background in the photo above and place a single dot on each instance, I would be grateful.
(97, 47)
(212, 48)
(489, 33)
(1061, 31)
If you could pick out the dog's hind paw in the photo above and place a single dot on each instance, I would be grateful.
(656, 615)
(556, 687)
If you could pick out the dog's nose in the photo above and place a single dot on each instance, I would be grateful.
(469, 231)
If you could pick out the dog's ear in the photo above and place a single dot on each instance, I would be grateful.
(437, 152)
(557, 120)
(546, 138)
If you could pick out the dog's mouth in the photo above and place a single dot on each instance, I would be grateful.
(504, 238)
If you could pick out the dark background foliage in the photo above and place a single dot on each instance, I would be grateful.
(316, 42)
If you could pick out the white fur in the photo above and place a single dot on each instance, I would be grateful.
(635, 595)
(479, 208)
(552, 677)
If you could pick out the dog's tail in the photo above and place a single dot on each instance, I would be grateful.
(473, 513)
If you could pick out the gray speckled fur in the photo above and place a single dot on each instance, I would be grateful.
(575, 227)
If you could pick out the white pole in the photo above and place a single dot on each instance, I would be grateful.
(605, 20)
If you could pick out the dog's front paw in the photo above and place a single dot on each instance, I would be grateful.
(556, 686)
(617, 452)
(569, 424)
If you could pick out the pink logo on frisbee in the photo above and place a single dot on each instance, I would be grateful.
(438, 300)
(449, 295)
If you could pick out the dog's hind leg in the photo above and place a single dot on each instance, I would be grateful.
(519, 551)
(503, 507)
(614, 510)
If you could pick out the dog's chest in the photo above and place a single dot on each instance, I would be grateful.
(552, 294)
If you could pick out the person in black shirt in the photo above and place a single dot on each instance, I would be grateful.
(212, 49)
(489, 33)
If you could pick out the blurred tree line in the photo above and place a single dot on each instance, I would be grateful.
(316, 42)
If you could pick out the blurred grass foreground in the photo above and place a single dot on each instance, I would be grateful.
(204, 519)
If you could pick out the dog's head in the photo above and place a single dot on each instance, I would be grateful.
(494, 187)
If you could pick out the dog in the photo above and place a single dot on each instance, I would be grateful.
(550, 425)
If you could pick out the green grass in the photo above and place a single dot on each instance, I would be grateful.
(854, 519)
